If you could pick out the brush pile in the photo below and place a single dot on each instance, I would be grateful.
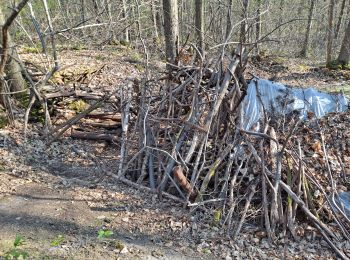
(183, 138)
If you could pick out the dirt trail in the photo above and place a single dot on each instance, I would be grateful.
(41, 213)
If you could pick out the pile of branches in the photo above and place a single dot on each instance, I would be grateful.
(187, 143)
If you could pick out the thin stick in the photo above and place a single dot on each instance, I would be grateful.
(246, 207)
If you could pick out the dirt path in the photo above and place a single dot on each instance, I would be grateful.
(41, 213)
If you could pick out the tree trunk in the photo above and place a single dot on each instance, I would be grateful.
(258, 28)
(305, 48)
(171, 29)
(199, 24)
(337, 28)
(330, 33)
(82, 12)
(243, 36)
(160, 22)
(125, 16)
(13, 69)
(229, 21)
(154, 19)
(344, 55)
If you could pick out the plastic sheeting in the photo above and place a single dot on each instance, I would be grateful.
(277, 99)
(344, 198)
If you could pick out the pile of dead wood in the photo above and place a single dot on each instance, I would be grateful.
(187, 143)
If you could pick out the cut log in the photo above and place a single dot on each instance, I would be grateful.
(94, 136)
(77, 94)
(183, 182)
(105, 116)
(107, 125)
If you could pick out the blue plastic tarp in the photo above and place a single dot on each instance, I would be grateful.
(277, 100)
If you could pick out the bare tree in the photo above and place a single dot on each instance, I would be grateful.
(14, 69)
(10, 58)
(344, 55)
(229, 19)
(330, 33)
(199, 24)
(154, 18)
(337, 28)
(125, 16)
(304, 50)
(243, 32)
(258, 26)
(171, 29)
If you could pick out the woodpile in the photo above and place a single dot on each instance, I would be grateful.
(186, 142)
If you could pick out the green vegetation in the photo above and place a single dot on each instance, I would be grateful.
(304, 68)
(31, 49)
(135, 57)
(124, 43)
(139, 67)
(3, 121)
(15, 252)
(78, 105)
(57, 241)
(217, 218)
(36, 112)
(340, 89)
(104, 233)
(335, 65)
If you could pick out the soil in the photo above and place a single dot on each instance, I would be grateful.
(66, 190)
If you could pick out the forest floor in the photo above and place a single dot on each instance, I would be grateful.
(63, 203)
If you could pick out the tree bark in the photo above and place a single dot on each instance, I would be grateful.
(82, 12)
(258, 28)
(344, 55)
(243, 36)
(159, 20)
(13, 69)
(199, 24)
(229, 20)
(330, 33)
(154, 18)
(304, 50)
(171, 29)
(125, 16)
(337, 28)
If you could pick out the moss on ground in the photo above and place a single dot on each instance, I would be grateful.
(3, 121)
(78, 105)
